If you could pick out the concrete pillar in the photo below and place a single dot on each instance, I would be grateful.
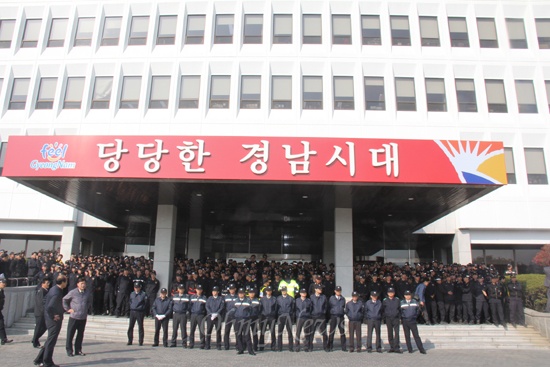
(165, 241)
(70, 240)
(194, 243)
(462, 248)
(343, 245)
(328, 247)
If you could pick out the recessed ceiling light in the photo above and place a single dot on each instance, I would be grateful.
(198, 194)
(212, 212)
(411, 199)
(390, 215)
(301, 213)
(98, 193)
(305, 196)
(126, 210)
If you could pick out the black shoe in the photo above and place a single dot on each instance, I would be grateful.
(141, 344)
(36, 363)
(6, 341)
(399, 351)
(191, 347)
(251, 353)
(379, 351)
(155, 345)
(344, 350)
(207, 348)
(184, 346)
(422, 351)
(391, 351)
(70, 354)
(240, 352)
(165, 345)
(172, 345)
(410, 351)
(370, 351)
(129, 343)
(37, 346)
(80, 354)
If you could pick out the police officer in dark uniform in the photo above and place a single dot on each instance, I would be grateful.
(318, 314)
(354, 312)
(242, 323)
(255, 311)
(3, 337)
(337, 305)
(180, 308)
(515, 291)
(328, 285)
(362, 288)
(386, 284)
(152, 286)
(317, 280)
(449, 299)
(372, 313)
(215, 306)
(109, 299)
(230, 300)
(138, 306)
(410, 309)
(268, 317)
(374, 286)
(303, 320)
(198, 310)
(123, 284)
(495, 292)
(162, 311)
(467, 301)
(479, 290)
(440, 299)
(430, 302)
(286, 312)
(391, 314)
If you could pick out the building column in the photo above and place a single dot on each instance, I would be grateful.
(194, 243)
(165, 243)
(328, 247)
(70, 240)
(462, 248)
(343, 239)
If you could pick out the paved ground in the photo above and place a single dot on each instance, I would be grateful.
(21, 353)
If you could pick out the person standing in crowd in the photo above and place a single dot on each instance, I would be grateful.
(337, 305)
(410, 309)
(162, 311)
(77, 303)
(109, 299)
(320, 307)
(230, 300)
(39, 299)
(33, 265)
(449, 300)
(198, 311)
(53, 313)
(495, 292)
(373, 315)
(290, 284)
(285, 315)
(255, 311)
(390, 313)
(152, 286)
(303, 320)
(3, 336)
(268, 318)
(440, 300)
(429, 301)
(215, 306)
(354, 312)
(467, 301)
(138, 305)
(515, 291)
(180, 306)
(242, 323)
(420, 293)
(479, 291)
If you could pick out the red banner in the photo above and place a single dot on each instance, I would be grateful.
(256, 158)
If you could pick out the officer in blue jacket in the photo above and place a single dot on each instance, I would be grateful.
(215, 306)
(318, 314)
(354, 312)
(268, 317)
(286, 309)
(198, 311)
(242, 323)
(303, 320)
(337, 305)
(230, 300)
(138, 307)
(180, 308)
(410, 309)
(255, 311)
(391, 314)
(373, 317)
(162, 311)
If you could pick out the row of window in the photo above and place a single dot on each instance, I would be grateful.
(535, 165)
(281, 93)
(282, 32)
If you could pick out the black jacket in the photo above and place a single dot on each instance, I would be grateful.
(138, 301)
(53, 304)
(515, 290)
(303, 308)
(215, 305)
(180, 304)
(198, 304)
(39, 299)
(162, 307)
(285, 305)
(373, 310)
(354, 310)
(319, 306)
(269, 306)
(242, 308)
(390, 308)
(410, 310)
(337, 306)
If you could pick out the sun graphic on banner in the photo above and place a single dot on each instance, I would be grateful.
(473, 166)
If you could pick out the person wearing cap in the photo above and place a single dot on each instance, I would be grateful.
(3, 336)
(420, 294)
(152, 286)
(387, 283)
(479, 290)
(123, 290)
(255, 311)
(109, 299)
(390, 314)
(337, 305)
(467, 301)
(162, 311)
(230, 300)
(317, 280)
(39, 298)
(362, 288)
(198, 311)
(304, 307)
(318, 314)
(290, 284)
(242, 323)
(328, 284)
(215, 307)
(268, 318)
(180, 308)
(440, 300)
(354, 312)
(410, 309)
(515, 291)
(373, 316)
(495, 293)
(138, 307)
(374, 285)
(77, 303)
(285, 315)
(449, 299)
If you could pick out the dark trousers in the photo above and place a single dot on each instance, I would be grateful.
(242, 334)
(39, 330)
(441, 308)
(265, 323)
(432, 311)
(374, 325)
(393, 333)
(196, 320)
(179, 322)
(164, 325)
(450, 309)
(321, 325)
(408, 327)
(354, 328)
(497, 311)
(75, 326)
(459, 310)
(109, 302)
(468, 311)
(305, 326)
(3, 335)
(284, 321)
(334, 322)
(229, 323)
(136, 316)
(122, 305)
(424, 311)
(210, 324)
(254, 327)
(516, 311)
(482, 307)
(46, 354)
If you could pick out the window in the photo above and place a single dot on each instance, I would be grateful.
(459, 32)
(160, 92)
(400, 33)
(370, 30)
(516, 33)
(6, 32)
(405, 94)
(510, 166)
(224, 28)
(496, 96)
(343, 93)
(250, 91)
(429, 31)
(547, 85)
(312, 92)
(101, 97)
(219, 91)
(311, 29)
(282, 28)
(253, 28)
(194, 34)
(189, 91)
(375, 99)
(46, 94)
(466, 95)
(131, 89)
(435, 95)
(73, 93)
(57, 32)
(138, 31)
(487, 33)
(536, 166)
(19, 92)
(84, 32)
(32, 32)
(527, 102)
(341, 30)
(111, 31)
(166, 34)
(281, 92)
(543, 33)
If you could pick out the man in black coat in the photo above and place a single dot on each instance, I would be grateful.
(39, 299)
(391, 313)
(3, 337)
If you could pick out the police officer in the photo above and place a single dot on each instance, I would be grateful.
(440, 299)
(479, 290)
(303, 320)
(138, 307)
(285, 315)
(180, 309)
(198, 310)
(362, 288)
(109, 299)
(390, 313)
(328, 284)
(162, 311)
(215, 306)
(495, 292)
(230, 300)
(152, 286)
(123, 285)
(3, 337)
(337, 305)
(467, 301)
(410, 309)
(449, 299)
(515, 291)
(318, 314)
(268, 317)
(255, 311)
(354, 312)
(373, 315)
(242, 323)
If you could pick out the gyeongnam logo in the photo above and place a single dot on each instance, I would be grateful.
(53, 158)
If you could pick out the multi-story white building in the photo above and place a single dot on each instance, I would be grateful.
(418, 70)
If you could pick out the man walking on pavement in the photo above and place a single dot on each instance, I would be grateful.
(77, 303)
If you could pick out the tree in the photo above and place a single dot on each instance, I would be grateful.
(542, 258)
